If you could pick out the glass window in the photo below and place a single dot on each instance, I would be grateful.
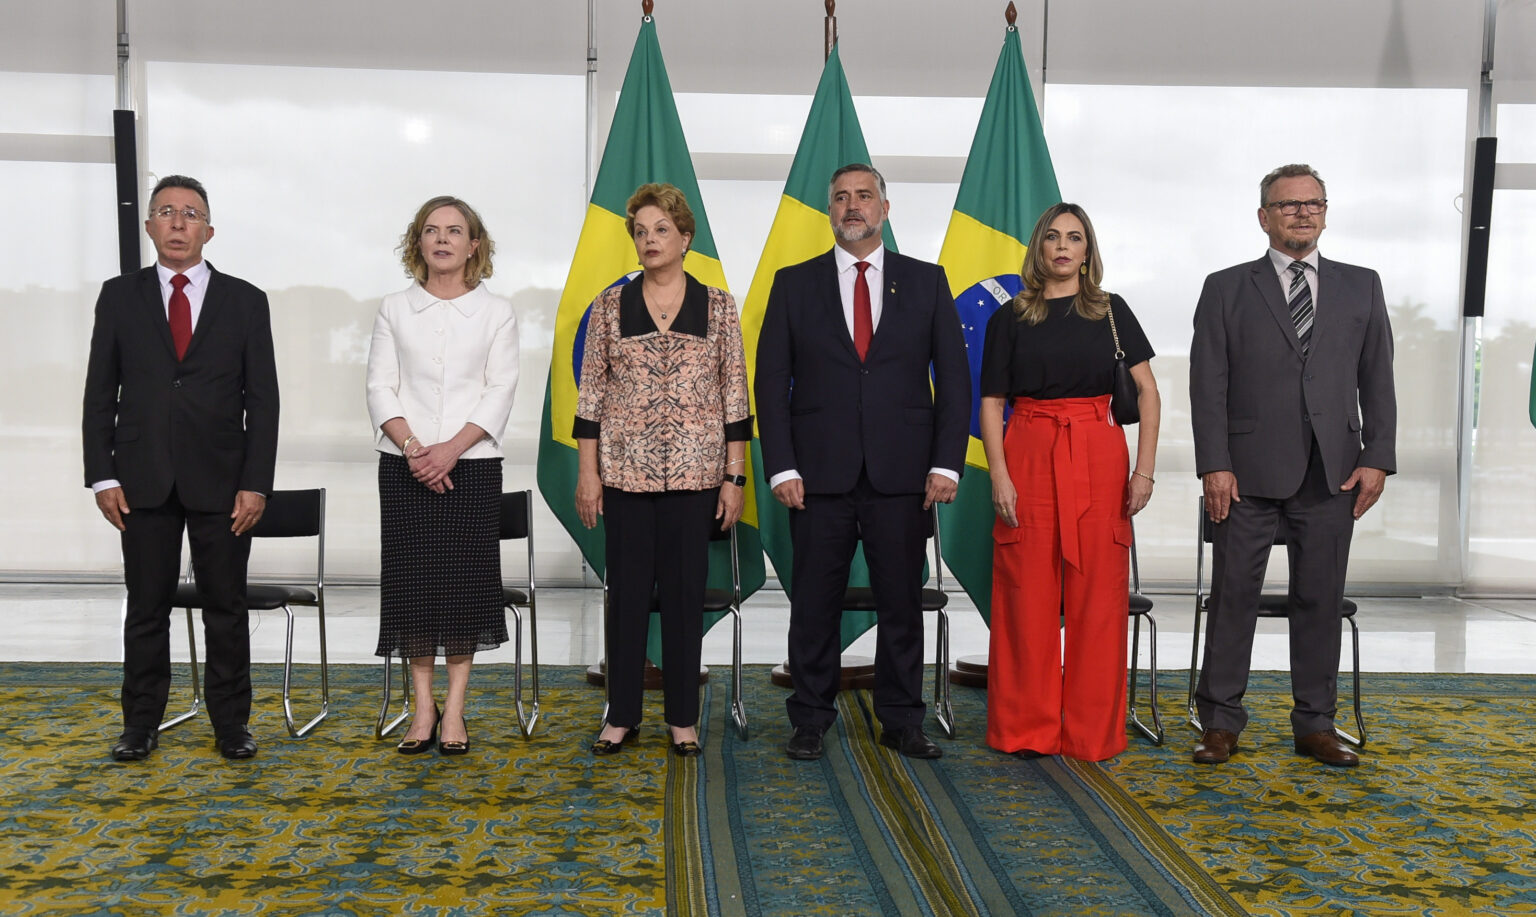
(56, 103)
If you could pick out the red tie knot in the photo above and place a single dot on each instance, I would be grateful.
(862, 266)
(180, 281)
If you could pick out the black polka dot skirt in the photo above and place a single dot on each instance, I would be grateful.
(440, 564)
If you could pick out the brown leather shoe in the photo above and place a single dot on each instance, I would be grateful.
(1326, 747)
(1216, 746)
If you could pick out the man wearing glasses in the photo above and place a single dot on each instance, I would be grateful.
(180, 432)
(1295, 421)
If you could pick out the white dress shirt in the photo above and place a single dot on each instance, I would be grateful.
(441, 364)
(196, 290)
(874, 278)
(1282, 263)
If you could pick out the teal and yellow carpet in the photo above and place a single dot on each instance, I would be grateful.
(1435, 822)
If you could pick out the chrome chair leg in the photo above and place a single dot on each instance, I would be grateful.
(944, 710)
(197, 690)
(738, 706)
(527, 714)
(325, 681)
(1354, 634)
(1155, 733)
(381, 728)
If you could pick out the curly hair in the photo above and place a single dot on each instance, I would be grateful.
(476, 269)
(668, 198)
(1091, 302)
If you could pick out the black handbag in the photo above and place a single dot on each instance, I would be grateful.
(1124, 405)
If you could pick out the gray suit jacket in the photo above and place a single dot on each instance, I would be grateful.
(1253, 397)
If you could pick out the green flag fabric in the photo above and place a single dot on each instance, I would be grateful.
(645, 144)
(802, 230)
(1008, 183)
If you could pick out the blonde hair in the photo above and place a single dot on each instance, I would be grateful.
(476, 269)
(1091, 302)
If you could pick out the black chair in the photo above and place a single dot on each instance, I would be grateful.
(715, 601)
(862, 598)
(289, 514)
(1140, 608)
(1271, 605)
(516, 523)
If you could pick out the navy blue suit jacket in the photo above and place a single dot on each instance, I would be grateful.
(824, 413)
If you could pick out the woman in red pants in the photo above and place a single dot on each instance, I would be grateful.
(1064, 493)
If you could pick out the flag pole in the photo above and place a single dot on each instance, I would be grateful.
(829, 37)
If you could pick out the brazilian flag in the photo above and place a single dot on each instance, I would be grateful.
(802, 229)
(645, 144)
(1008, 183)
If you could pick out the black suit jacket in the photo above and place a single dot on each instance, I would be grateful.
(827, 415)
(1257, 403)
(207, 424)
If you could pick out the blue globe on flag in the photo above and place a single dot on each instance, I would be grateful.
(579, 347)
(976, 306)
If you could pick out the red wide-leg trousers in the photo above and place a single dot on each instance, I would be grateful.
(1060, 580)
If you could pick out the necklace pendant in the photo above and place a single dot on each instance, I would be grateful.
(663, 316)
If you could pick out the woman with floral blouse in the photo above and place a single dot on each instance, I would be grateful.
(662, 425)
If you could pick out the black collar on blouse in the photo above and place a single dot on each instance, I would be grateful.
(692, 317)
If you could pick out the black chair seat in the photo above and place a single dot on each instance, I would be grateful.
(1140, 604)
(258, 596)
(510, 596)
(718, 600)
(862, 598)
(1278, 605)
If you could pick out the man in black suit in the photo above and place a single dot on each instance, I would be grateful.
(1295, 422)
(859, 441)
(180, 431)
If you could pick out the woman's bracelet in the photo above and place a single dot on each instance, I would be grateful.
(1147, 476)
(406, 443)
(736, 462)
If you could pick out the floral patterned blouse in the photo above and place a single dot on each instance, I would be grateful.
(663, 404)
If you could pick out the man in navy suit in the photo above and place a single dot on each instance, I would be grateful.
(859, 440)
(180, 432)
(1295, 422)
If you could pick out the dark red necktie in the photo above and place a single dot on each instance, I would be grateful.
(863, 319)
(181, 315)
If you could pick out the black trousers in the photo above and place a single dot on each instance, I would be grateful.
(825, 534)
(1319, 524)
(151, 557)
(657, 543)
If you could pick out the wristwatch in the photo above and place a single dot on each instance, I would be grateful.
(740, 480)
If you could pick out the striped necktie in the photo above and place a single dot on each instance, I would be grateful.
(1300, 300)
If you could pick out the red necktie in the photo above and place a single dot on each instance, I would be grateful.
(863, 320)
(181, 315)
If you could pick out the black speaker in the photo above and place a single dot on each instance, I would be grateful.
(1481, 211)
(125, 153)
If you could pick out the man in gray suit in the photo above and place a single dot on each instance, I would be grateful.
(1295, 418)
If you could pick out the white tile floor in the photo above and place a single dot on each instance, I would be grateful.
(69, 623)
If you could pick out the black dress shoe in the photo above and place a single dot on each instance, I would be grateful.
(804, 744)
(236, 746)
(417, 746)
(609, 747)
(135, 744)
(911, 742)
(450, 749)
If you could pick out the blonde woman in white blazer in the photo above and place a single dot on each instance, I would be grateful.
(442, 371)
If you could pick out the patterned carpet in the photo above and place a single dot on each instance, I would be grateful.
(1435, 822)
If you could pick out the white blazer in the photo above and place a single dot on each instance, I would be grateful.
(441, 364)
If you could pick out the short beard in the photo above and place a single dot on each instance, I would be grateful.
(1296, 245)
(843, 235)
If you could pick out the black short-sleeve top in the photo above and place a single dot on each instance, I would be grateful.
(1065, 356)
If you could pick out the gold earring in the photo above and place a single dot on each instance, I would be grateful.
(1083, 269)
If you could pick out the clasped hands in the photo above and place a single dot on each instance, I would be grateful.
(431, 464)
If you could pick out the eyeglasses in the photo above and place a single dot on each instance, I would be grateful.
(189, 215)
(1291, 208)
